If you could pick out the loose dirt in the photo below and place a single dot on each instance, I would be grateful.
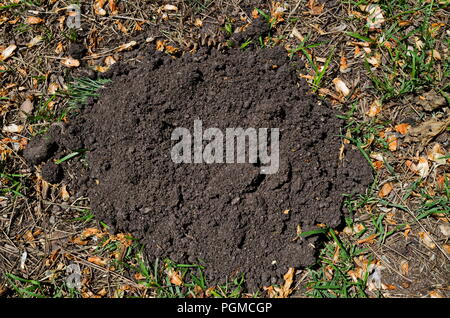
(228, 217)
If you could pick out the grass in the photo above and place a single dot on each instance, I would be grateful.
(408, 60)
(330, 278)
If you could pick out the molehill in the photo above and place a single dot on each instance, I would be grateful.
(228, 217)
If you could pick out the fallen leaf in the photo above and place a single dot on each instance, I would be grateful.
(52, 88)
(446, 248)
(59, 48)
(343, 65)
(8, 52)
(435, 294)
(437, 154)
(109, 60)
(296, 33)
(97, 260)
(13, 128)
(402, 128)
(198, 22)
(64, 193)
(426, 240)
(121, 27)
(436, 55)
(375, 18)
(404, 267)
(34, 41)
(170, 7)
(171, 50)
(445, 229)
(392, 143)
(422, 167)
(175, 278)
(98, 7)
(385, 190)
(26, 108)
(33, 20)
(126, 46)
(370, 239)
(79, 241)
(375, 60)
(113, 7)
(70, 62)
(341, 87)
(315, 7)
(431, 101)
(288, 280)
(426, 131)
(374, 108)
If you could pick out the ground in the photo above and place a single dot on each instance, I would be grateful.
(383, 65)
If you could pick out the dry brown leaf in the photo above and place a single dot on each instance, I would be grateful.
(435, 294)
(404, 267)
(52, 88)
(288, 280)
(126, 46)
(113, 7)
(446, 248)
(423, 167)
(445, 229)
(33, 20)
(169, 7)
(13, 128)
(437, 154)
(97, 260)
(402, 128)
(315, 7)
(198, 22)
(374, 108)
(175, 278)
(70, 62)
(109, 60)
(90, 232)
(296, 33)
(79, 241)
(64, 193)
(385, 190)
(26, 108)
(375, 18)
(430, 101)
(34, 41)
(343, 65)
(426, 131)
(392, 143)
(8, 52)
(426, 240)
(375, 60)
(341, 87)
(59, 48)
(98, 7)
(370, 239)
(121, 27)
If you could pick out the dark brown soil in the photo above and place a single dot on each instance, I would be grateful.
(228, 217)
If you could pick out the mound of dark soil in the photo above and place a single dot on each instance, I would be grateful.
(229, 217)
